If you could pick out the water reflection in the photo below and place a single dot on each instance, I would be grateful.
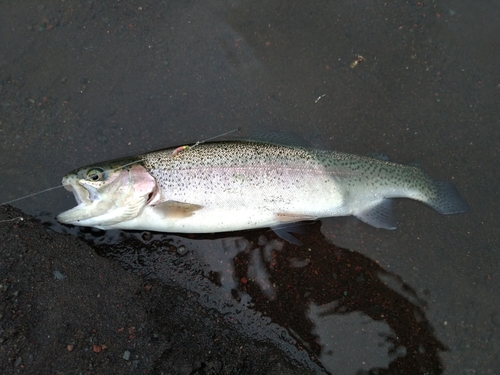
(329, 308)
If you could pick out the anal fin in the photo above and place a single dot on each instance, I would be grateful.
(285, 231)
(379, 216)
(291, 223)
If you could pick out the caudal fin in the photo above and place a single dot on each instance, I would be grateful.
(446, 199)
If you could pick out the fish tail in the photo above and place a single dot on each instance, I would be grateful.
(445, 198)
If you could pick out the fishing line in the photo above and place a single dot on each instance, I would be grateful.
(124, 165)
(20, 218)
(217, 136)
(178, 149)
(174, 153)
(31, 195)
(183, 148)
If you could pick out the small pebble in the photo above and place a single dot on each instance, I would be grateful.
(299, 263)
(126, 355)
(147, 236)
(181, 250)
(59, 276)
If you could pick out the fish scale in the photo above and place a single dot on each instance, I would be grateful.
(225, 186)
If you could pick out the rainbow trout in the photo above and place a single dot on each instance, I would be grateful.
(229, 186)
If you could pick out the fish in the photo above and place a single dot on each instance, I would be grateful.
(238, 185)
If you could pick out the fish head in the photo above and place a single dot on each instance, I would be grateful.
(108, 194)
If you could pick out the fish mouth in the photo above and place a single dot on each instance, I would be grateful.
(81, 194)
(84, 193)
(86, 196)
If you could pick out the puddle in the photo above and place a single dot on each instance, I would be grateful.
(329, 308)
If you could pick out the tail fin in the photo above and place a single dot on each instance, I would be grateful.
(446, 199)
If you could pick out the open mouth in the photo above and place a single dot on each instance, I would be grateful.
(83, 193)
(92, 209)
(84, 196)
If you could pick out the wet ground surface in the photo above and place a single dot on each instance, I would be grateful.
(85, 81)
(65, 310)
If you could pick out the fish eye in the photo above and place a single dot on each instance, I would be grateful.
(95, 174)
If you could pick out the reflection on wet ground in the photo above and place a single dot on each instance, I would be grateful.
(329, 308)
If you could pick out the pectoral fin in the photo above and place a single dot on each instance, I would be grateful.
(287, 217)
(176, 210)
